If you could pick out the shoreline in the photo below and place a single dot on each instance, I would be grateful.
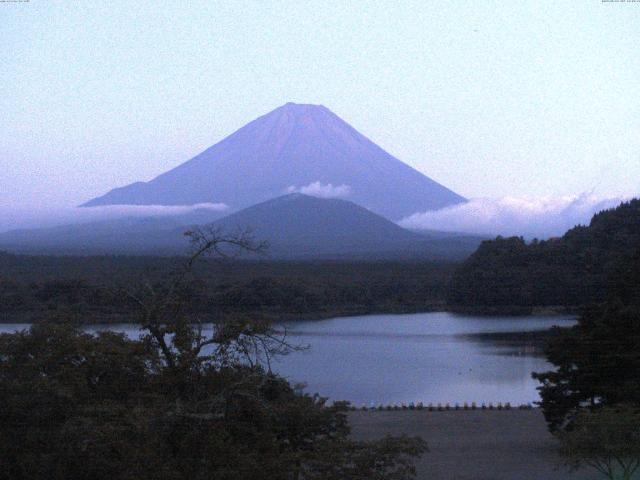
(124, 319)
(516, 310)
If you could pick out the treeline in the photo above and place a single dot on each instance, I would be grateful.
(506, 275)
(99, 288)
(572, 271)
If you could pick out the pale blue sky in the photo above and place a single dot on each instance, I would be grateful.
(537, 98)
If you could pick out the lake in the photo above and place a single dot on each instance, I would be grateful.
(424, 357)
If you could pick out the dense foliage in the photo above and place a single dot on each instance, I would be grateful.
(81, 406)
(90, 287)
(574, 270)
(592, 399)
(181, 402)
(598, 360)
(597, 364)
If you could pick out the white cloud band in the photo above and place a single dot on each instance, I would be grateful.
(542, 217)
(322, 190)
(17, 218)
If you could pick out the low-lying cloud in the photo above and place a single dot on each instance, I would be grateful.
(542, 217)
(19, 218)
(322, 190)
(150, 210)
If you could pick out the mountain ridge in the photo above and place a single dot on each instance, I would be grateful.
(288, 149)
(296, 226)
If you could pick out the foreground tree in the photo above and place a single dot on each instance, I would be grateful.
(182, 402)
(607, 439)
(592, 400)
(597, 364)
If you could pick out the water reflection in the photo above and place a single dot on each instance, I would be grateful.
(427, 357)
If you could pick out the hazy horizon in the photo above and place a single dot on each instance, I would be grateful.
(528, 109)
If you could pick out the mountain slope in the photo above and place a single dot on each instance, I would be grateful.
(303, 225)
(582, 267)
(162, 234)
(295, 226)
(295, 147)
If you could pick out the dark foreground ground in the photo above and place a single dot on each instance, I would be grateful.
(474, 445)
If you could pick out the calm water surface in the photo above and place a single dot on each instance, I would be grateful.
(425, 357)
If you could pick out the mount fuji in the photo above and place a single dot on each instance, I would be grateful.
(295, 148)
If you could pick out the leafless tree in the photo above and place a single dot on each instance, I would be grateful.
(184, 340)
